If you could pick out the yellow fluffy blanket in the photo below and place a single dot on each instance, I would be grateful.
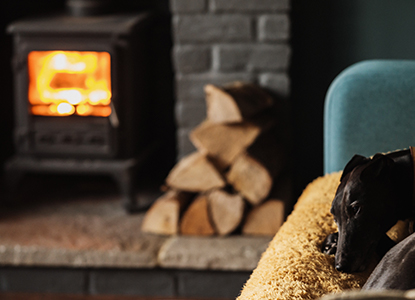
(293, 267)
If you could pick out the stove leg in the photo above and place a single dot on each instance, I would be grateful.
(125, 180)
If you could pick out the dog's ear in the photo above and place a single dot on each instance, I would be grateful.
(356, 160)
(380, 165)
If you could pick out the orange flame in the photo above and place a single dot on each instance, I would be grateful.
(63, 83)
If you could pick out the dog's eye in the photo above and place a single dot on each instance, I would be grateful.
(354, 208)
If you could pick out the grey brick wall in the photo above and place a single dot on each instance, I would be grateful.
(195, 284)
(273, 27)
(251, 58)
(188, 6)
(219, 41)
(139, 282)
(249, 5)
(211, 28)
(41, 280)
(132, 282)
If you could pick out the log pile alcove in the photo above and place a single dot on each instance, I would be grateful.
(229, 182)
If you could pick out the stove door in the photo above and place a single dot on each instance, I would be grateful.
(64, 102)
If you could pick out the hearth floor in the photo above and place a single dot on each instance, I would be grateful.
(83, 224)
(74, 223)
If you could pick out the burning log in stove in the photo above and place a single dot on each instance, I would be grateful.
(64, 83)
(239, 160)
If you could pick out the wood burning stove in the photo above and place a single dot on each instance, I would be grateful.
(80, 94)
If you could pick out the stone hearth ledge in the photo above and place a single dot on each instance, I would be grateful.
(234, 253)
(92, 233)
(230, 253)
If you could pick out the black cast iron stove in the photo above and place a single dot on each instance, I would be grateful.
(80, 94)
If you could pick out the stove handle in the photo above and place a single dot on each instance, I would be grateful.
(115, 122)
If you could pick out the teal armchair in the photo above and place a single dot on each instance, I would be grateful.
(369, 108)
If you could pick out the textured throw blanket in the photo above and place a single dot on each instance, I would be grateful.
(293, 267)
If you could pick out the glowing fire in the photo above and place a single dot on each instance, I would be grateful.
(63, 83)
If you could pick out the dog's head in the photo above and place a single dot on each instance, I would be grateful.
(363, 210)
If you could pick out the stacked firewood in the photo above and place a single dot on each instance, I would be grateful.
(226, 184)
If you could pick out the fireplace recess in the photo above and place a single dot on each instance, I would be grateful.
(81, 104)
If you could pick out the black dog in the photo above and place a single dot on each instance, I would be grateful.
(396, 269)
(330, 244)
(374, 193)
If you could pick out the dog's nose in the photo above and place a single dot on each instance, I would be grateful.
(341, 268)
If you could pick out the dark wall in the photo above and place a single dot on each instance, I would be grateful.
(328, 36)
(374, 29)
(311, 60)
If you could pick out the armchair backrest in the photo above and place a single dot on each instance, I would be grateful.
(369, 108)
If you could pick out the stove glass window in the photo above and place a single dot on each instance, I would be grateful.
(64, 83)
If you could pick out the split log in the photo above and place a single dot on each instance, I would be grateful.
(253, 172)
(265, 219)
(164, 215)
(250, 178)
(223, 142)
(195, 220)
(226, 210)
(195, 173)
(235, 102)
